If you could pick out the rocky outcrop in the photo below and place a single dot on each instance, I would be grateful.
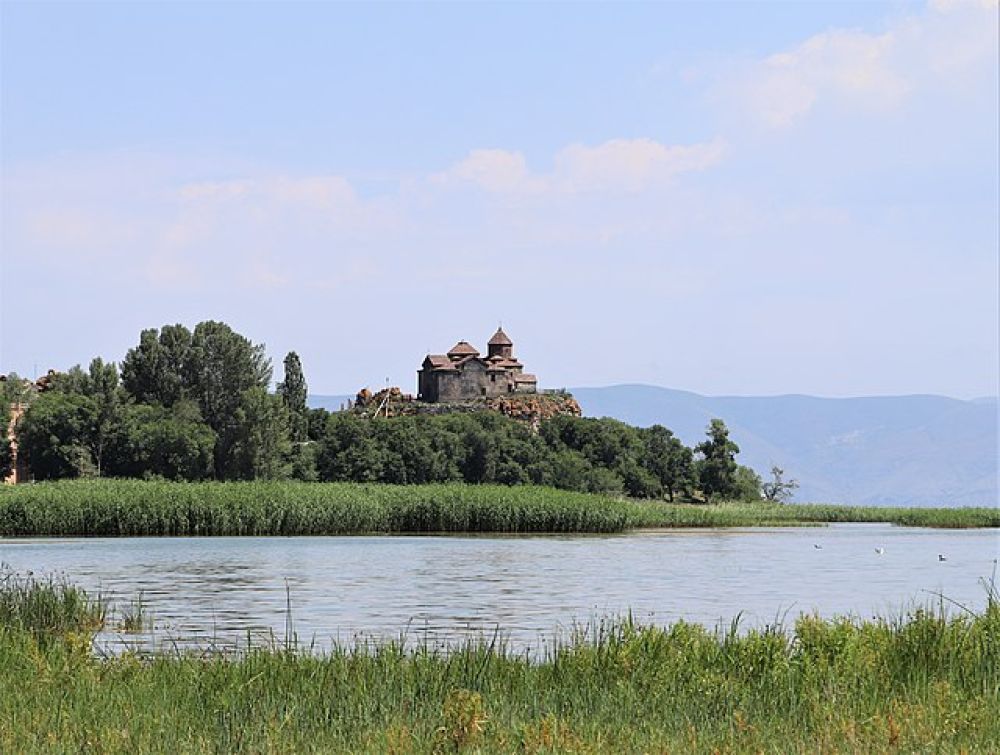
(531, 408)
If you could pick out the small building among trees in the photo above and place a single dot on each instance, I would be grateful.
(464, 374)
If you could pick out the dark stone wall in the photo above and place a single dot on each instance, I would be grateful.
(471, 381)
(427, 389)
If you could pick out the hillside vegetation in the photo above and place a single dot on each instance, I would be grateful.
(879, 450)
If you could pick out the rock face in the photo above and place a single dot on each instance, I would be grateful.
(528, 408)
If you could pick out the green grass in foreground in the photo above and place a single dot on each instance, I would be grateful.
(922, 682)
(115, 508)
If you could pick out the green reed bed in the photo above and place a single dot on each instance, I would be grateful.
(653, 514)
(47, 606)
(923, 682)
(134, 508)
(119, 508)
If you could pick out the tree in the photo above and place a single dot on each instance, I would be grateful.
(55, 435)
(669, 460)
(99, 383)
(717, 468)
(103, 387)
(778, 489)
(222, 367)
(157, 371)
(293, 392)
(260, 445)
(746, 485)
(152, 441)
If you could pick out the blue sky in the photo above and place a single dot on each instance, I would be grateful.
(737, 198)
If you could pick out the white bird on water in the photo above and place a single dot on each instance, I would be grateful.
(817, 546)
(880, 551)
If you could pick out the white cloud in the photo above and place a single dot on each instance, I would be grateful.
(617, 165)
(492, 169)
(630, 164)
(331, 192)
(855, 69)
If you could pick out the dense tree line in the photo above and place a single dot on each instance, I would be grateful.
(194, 405)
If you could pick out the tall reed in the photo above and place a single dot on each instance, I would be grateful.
(48, 605)
(925, 681)
(114, 508)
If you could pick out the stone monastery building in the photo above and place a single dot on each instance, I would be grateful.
(463, 374)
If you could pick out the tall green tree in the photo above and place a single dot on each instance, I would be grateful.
(746, 485)
(669, 461)
(717, 468)
(260, 447)
(104, 389)
(158, 370)
(56, 435)
(100, 383)
(294, 392)
(223, 365)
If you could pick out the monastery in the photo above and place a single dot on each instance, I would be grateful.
(464, 374)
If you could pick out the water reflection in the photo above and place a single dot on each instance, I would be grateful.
(443, 589)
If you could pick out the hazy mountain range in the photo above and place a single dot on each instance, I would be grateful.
(885, 450)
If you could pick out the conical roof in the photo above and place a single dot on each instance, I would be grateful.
(500, 339)
(463, 349)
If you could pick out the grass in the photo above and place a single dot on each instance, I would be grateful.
(47, 607)
(120, 508)
(135, 617)
(924, 681)
(654, 514)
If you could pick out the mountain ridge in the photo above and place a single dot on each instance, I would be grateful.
(914, 450)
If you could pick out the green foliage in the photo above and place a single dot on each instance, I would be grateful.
(746, 485)
(571, 453)
(260, 446)
(56, 435)
(180, 389)
(293, 392)
(669, 461)
(220, 370)
(921, 682)
(224, 366)
(302, 462)
(717, 467)
(159, 369)
(152, 441)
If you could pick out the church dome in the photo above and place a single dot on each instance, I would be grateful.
(500, 339)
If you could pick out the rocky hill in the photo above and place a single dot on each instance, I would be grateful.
(530, 408)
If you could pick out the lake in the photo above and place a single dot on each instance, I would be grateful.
(441, 589)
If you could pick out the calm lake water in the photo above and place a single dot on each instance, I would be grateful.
(442, 589)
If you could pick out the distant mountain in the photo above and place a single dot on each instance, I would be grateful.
(330, 403)
(887, 450)
(891, 450)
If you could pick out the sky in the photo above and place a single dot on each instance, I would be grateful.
(729, 198)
